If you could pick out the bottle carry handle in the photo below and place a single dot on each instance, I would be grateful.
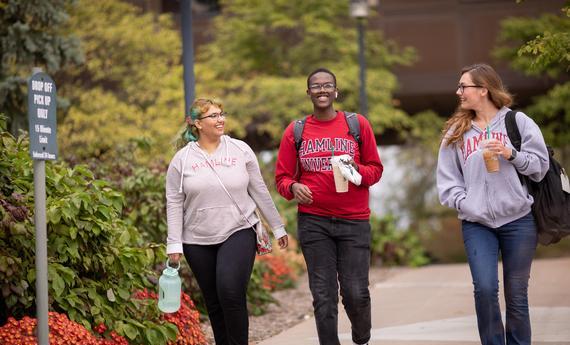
(168, 264)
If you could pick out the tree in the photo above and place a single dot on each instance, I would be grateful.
(130, 85)
(539, 47)
(31, 35)
(262, 51)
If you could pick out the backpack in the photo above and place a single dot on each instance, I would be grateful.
(351, 121)
(551, 207)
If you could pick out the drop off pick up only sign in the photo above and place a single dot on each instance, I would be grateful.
(42, 117)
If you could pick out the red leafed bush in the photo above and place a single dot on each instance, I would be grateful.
(187, 319)
(276, 273)
(62, 331)
(66, 332)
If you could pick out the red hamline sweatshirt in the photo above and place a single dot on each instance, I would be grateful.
(315, 152)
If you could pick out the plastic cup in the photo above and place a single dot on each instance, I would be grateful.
(340, 182)
(490, 158)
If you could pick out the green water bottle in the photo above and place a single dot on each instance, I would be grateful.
(169, 289)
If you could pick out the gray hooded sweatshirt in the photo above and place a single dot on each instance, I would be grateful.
(491, 199)
(198, 209)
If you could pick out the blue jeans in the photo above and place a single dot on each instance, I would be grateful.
(517, 243)
(337, 251)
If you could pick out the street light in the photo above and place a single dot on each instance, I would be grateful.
(359, 10)
(187, 53)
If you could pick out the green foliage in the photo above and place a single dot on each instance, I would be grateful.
(258, 297)
(393, 246)
(550, 51)
(257, 64)
(553, 112)
(31, 35)
(142, 185)
(262, 51)
(426, 130)
(130, 85)
(93, 268)
(537, 47)
(289, 38)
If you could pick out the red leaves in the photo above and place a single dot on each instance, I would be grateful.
(187, 319)
(276, 272)
(62, 331)
(100, 328)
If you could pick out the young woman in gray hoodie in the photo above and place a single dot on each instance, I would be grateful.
(214, 233)
(494, 207)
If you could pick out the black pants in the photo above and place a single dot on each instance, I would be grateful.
(222, 272)
(337, 251)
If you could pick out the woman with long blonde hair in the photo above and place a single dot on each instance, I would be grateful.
(492, 203)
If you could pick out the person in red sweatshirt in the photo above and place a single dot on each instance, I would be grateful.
(333, 228)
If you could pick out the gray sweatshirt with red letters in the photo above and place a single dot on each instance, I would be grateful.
(491, 199)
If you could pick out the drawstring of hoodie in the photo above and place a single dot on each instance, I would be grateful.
(227, 160)
(194, 146)
(183, 166)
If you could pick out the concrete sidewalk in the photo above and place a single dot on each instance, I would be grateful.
(434, 305)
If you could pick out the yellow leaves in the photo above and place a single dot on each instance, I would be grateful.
(131, 85)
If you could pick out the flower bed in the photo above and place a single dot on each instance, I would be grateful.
(186, 319)
(62, 332)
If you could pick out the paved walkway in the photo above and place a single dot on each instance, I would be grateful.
(434, 305)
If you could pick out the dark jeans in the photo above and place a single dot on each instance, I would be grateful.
(222, 272)
(337, 251)
(517, 243)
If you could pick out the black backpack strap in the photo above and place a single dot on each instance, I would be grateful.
(351, 120)
(513, 130)
(298, 132)
(514, 136)
(353, 126)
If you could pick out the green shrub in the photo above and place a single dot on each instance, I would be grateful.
(393, 246)
(258, 297)
(93, 266)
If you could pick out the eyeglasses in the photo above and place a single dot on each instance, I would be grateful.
(462, 87)
(215, 116)
(328, 87)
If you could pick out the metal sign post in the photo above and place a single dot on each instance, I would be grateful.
(43, 146)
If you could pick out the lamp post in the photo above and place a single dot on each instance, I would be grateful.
(359, 10)
(187, 53)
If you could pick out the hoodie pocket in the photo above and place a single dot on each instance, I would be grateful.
(474, 206)
(216, 221)
(508, 197)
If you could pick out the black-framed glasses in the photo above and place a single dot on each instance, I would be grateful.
(215, 116)
(328, 87)
(462, 87)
